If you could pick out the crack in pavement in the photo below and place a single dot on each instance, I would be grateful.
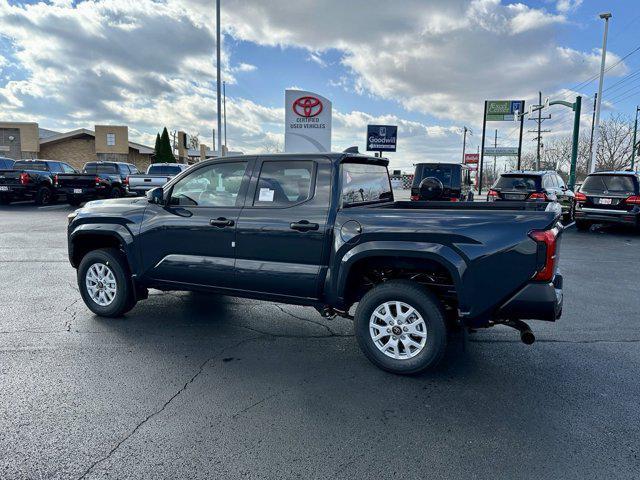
(165, 405)
(283, 310)
(74, 313)
(269, 397)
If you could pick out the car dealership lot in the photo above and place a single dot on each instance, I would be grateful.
(190, 386)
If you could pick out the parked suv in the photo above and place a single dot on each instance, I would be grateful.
(542, 186)
(608, 197)
(441, 182)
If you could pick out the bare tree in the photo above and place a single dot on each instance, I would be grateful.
(614, 148)
(194, 141)
(271, 145)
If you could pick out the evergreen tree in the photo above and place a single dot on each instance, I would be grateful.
(164, 152)
(157, 146)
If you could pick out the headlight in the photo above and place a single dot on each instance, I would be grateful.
(71, 216)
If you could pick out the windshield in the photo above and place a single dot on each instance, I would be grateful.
(362, 183)
(444, 173)
(164, 170)
(40, 166)
(96, 168)
(623, 184)
(518, 182)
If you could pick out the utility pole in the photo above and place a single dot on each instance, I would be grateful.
(539, 131)
(495, 145)
(592, 165)
(633, 145)
(593, 124)
(224, 96)
(484, 126)
(464, 142)
(219, 93)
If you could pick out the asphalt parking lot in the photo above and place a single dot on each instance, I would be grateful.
(187, 386)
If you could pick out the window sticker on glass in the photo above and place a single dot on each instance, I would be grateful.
(266, 195)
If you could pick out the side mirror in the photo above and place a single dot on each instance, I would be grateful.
(156, 196)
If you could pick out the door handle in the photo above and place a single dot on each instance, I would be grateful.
(304, 226)
(221, 222)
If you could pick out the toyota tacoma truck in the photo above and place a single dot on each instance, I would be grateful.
(157, 175)
(323, 230)
(97, 180)
(32, 180)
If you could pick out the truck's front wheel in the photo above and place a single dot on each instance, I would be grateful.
(400, 327)
(104, 284)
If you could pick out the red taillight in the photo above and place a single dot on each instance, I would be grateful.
(55, 180)
(97, 181)
(415, 198)
(454, 199)
(633, 200)
(538, 196)
(548, 240)
(24, 178)
(126, 180)
(580, 197)
(492, 193)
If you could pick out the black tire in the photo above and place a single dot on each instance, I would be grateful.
(44, 196)
(583, 225)
(124, 299)
(568, 217)
(74, 201)
(429, 308)
(116, 192)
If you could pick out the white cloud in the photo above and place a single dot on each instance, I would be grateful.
(565, 6)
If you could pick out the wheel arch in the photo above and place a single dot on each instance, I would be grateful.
(87, 238)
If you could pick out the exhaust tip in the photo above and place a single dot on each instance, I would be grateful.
(527, 337)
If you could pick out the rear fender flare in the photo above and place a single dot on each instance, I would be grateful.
(441, 254)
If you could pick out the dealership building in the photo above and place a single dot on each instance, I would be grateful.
(26, 140)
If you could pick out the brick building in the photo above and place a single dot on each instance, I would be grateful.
(106, 142)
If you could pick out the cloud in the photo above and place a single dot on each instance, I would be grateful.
(566, 6)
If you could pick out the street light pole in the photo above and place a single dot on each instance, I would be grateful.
(596, 135)
(219, 93)
(224, 109)
(633, 145)
(464, 142)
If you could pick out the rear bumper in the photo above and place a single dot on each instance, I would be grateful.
(83, 192)
(18, 191)
(601, 215)
(535, 301)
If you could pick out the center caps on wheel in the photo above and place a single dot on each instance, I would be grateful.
(396, 330)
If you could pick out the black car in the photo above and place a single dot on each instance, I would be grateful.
(32, 180)
(608, 197)
(323, 230)
(97, 180)
(441, 182)
(540, 186)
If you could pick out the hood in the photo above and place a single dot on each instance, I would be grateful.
(115, 203)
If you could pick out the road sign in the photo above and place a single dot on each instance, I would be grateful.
(501, 151)
(502, 110)
(471, 158)
(382, 138)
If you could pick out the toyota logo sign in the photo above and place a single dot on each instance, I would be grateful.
(307, 106)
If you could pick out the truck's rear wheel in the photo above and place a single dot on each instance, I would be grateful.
(44, 196)
(116, 192)
(104, 284)
(400, 327)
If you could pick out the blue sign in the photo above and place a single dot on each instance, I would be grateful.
(382, 138)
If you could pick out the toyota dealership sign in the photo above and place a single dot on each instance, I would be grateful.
(307, 122)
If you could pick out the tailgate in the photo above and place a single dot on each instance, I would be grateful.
(10, 177)
(70, 180)
(148, 180)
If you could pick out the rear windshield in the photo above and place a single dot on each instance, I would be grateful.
(518, 182)
(40, 166)
(445, 173)
(622, 184)
(164, 170)
(363, 183)
(96, 168)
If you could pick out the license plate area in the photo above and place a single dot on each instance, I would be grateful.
(4, 189)
(606, 201)
(77, 190)
(513, 196)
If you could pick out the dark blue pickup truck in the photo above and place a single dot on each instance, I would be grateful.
(323, 230)
(32, 180)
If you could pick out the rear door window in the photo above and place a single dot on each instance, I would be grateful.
(614, 184)
(283, 184)
(518, 182)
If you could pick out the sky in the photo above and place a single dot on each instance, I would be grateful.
(424, 65)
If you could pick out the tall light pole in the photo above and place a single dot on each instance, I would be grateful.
(464, 142)
(633, 145)
(224, 108)
(592, 165)
(219, 93)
